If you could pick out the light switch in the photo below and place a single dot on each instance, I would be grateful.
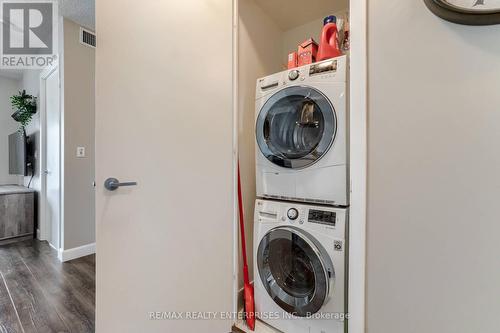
(80, 152)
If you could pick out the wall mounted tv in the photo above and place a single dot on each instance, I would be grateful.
(18, 154)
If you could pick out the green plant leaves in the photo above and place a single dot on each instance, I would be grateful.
(25, 106)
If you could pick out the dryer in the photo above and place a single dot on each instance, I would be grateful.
(300, 266)
(302, 134)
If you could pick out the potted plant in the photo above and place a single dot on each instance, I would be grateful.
(25, 106)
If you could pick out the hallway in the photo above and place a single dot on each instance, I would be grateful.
(38, 293)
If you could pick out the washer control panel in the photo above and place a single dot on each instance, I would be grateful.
(292, 214)
(326, 220)
(322, 217)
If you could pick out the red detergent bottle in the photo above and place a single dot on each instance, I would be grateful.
(329, 44)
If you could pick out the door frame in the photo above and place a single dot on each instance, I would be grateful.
(358, 163)
(43, 232)
(236, 225)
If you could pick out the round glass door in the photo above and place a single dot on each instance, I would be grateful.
(296, 127)
(294, 271)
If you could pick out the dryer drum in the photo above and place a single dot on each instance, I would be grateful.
(295, 270)
(296, 127)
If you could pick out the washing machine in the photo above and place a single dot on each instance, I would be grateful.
(302, 134)
(300, 266)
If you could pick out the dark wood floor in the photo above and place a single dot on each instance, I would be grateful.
(40, 294)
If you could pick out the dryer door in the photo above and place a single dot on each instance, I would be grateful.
(296, 127)
(296, 272)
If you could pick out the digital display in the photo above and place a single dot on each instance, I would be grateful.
(323, 67)
(322, 217)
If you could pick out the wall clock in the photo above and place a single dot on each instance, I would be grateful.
(469, 12)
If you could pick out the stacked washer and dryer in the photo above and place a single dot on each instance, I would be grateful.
(301, 214)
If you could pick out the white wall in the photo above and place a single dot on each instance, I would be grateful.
(77, 68)
(260, 45)
(79, 124)
(8, 87)
(433, 176)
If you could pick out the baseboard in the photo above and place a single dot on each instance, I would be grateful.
(77, 252)
(38, 234)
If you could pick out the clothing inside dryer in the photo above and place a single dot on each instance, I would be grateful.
(294, 126)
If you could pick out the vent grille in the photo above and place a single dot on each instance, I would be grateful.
(87, 38)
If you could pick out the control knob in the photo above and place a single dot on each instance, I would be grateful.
(292, 214)
(293, 75)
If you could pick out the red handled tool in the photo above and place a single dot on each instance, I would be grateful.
(248, 289)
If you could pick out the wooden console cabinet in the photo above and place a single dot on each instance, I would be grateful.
(17, 213)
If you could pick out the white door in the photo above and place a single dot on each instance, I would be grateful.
(164, 120)
(53, 157)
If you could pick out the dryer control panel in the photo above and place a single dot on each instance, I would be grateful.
(333, 70)
(323, 67)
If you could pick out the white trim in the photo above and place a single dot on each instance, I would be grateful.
(62, 127)
(236, 236)
(52, 246)
(77, 252)
(358, 166)
(43, 233)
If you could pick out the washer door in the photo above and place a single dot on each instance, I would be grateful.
(296, 127)
(295, 271)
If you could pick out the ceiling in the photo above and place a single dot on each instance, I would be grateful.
(292, 13)
(16, 74)
(79, 11)
(286, 13)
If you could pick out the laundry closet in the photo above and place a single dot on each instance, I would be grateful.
(269, 32)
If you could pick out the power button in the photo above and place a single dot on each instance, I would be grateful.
(293, 75)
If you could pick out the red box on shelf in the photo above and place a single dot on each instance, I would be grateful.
(307, 52)
(292, 60)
